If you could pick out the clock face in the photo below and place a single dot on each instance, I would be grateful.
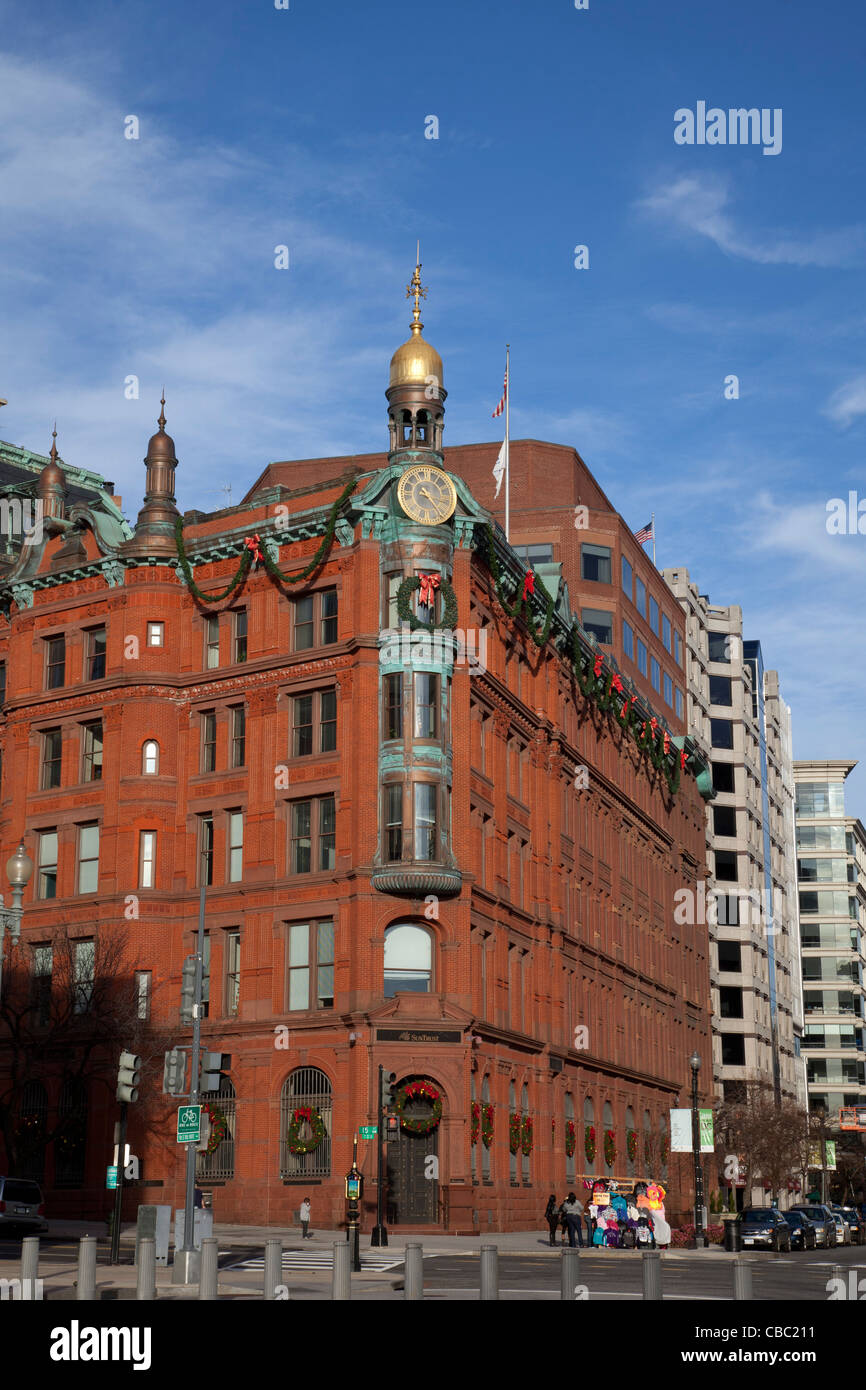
(426, 494)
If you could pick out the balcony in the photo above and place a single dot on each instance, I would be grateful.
(408, 880)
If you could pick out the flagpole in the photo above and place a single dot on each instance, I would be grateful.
(654, 537)
(507, 476)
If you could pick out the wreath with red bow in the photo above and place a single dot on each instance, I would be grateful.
(570, 1138)
(631, 1144)
(487, 1125)
(218, 1126)
(305, 1115)
(427, 584)
(419, 1090)
(514, 1132)
(527, 1139)
(609, 1147)
(589, 1143)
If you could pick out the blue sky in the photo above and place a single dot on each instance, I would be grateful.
(305, 127)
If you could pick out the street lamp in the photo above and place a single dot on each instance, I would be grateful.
(695, 1064)
(19, 867)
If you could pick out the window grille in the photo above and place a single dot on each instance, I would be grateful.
(306, 1087)
(220, 1165)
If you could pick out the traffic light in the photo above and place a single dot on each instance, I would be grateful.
(392, 1127)
(187, 990)
(389, 1079)
(211, 1064)
(128, 1076)
(174, 1073)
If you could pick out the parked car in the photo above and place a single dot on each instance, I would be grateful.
(765, 1226)
(856, 1224)
(828, 1233)
(804, 1231)
(842, 1228)
(21, 1206)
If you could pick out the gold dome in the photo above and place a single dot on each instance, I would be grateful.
(415, 361)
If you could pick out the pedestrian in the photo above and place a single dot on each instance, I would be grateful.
(572, 1210)
(305, 1218)
(551, 1216)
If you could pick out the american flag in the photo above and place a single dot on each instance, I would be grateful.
(501, 406)
(645, 533)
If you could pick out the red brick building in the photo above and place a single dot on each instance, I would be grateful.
(465, 873)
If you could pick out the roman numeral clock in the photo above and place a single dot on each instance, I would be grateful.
(426, 494)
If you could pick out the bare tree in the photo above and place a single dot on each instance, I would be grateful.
(764, 1134)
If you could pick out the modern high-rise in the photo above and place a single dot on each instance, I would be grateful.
(831, 874)
(736, 715)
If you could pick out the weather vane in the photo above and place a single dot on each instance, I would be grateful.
(415, 290)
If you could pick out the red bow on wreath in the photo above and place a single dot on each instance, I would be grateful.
(254, 544)
(599, 662)
(429, 585)
(683, 758)
(529, 584)
(667, 742)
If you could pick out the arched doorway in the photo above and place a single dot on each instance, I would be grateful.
(413, 1160)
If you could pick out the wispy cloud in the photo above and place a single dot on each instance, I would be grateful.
(699, 205)
(847, 402)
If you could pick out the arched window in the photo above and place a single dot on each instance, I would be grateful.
(646, 1157)
(629, 1130)
(407, 427)
(150, 756)
(589, 1123)
(32, 1116)
(485, 1152)
(607, 1124)
(71, 1142)
(408, 959)
(473, 1145)
(305, 1089)
(220, 1164)
(524, 1115)
(512, 1110)
(569, 1158)
(422, 432)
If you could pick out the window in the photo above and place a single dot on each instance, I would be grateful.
(88, 858)
(733, 1050)
(52, 746)
(426, 705)
(721, 733)
(726, 866)
(724, 820)
(316, 611)
(328, 717)
(313, 835)
(236, 846)
(678, 648)
(655, 674)
(723, 776)
(311, 965)
(595, 563)
(599, 623)
(719, 646)
(641, 656)
(393, 821)
(654, 615)
(829, 902)
(304, 623)
(147, 859)
(408, 959)
(205, 849)
(640, 596)
(96, 654)
(426, 836)
(212, 642)
(83, 959)
(156, 634)
(680, 707)
(40, 990)
(205, 974)
(822, 837)
(730, 957)
(150, 757)
(47, 859)
(669, 689)
(628, 641)
(720, 690)
(666, 631)
(91, 770)
(318, 709)
(239, 736)
(55, 662)
(240, 635)
(208, 740)
(142, 993)
(627, 574)
(393, 691)
(329, 616)
(819, 799)
(307, 1087)
(535, 554)
(233, 972)
(822, 870)
(392, 617)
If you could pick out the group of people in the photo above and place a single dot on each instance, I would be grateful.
(612, 1218)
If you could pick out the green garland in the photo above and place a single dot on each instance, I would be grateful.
(305, 1113)
(404, 607)
(538, 635)
(247, 557)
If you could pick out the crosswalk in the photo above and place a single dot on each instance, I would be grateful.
(379, 1260)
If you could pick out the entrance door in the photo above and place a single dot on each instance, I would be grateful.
(413, 1181)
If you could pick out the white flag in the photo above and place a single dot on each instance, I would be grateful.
(499, 470)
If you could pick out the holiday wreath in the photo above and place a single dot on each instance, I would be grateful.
(570, 1138)
(514, 1132)
(305, 1115)
(218, 1126)
(609, 1147)
(487, 1125)
(428, 584)
(419, 1090)
(526, 1138)
(631, 1144)
(589, 1143)
(476, 1122)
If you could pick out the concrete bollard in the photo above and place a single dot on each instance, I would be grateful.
(273, 1267)
(341, 1283)
(29, 1267)
(489, 1272)
(742, 1279)
(413, 1283)
(569, 1272)
(145, 1277)
(86, 1269)
(207, 1282)
(651, 1271)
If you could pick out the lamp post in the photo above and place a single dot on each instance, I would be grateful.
(18, 869)
(695, 1064)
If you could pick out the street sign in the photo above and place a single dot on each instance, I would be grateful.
(368, 1131)
(189, 1124)
(111, 1176)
